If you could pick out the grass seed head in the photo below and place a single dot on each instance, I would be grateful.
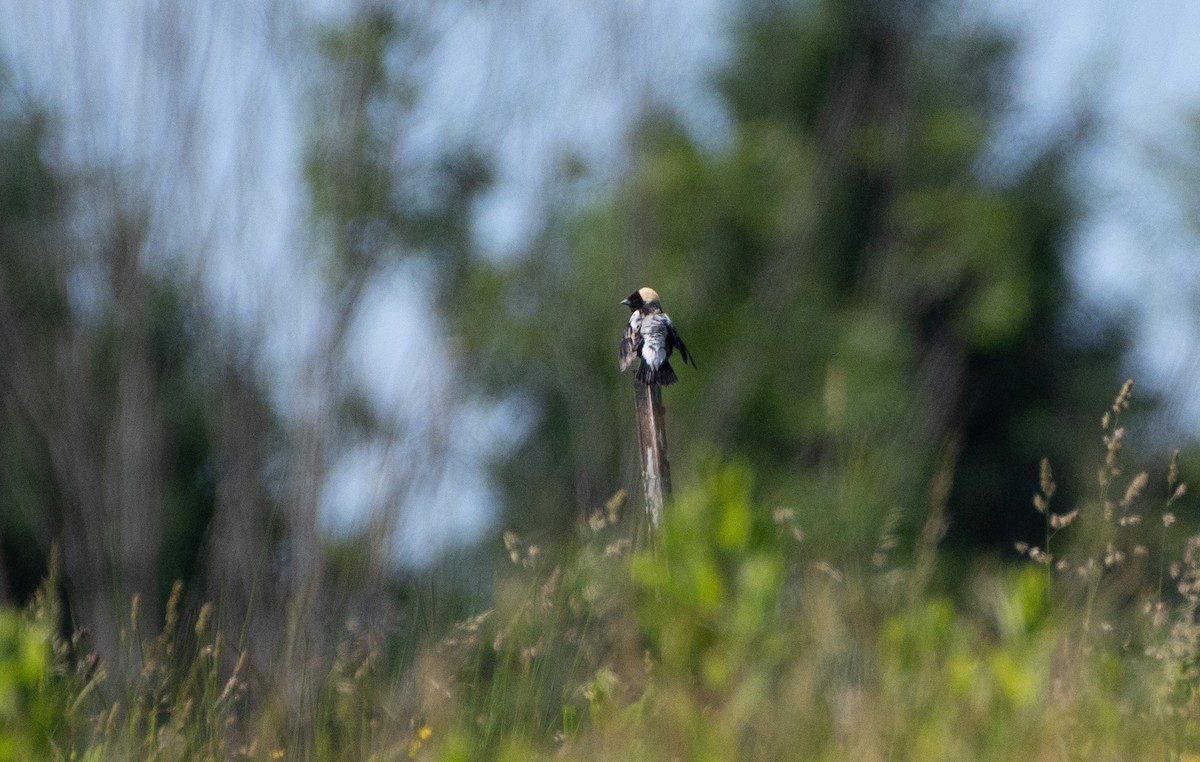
(1046, 479)
(1121, 403)
(1136, 486)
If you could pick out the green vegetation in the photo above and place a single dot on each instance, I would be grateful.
(872, 296)
(851, 568)
(736, 639)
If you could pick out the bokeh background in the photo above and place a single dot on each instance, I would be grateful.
(304, 304)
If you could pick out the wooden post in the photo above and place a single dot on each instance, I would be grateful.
(652, 451)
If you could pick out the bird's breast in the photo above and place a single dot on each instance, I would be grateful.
(654, 341)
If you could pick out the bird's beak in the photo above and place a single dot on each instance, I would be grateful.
(625, 302)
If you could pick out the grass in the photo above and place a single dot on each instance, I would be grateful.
(733, 640)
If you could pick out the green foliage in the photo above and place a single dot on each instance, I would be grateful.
(28, 711)
(371, 201)
(877, 317)
(106, 437)
(729, 640)
(712, 592)
(752, 650)
(949, 675)
(867, 291)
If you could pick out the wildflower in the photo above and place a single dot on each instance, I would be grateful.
(424, 733)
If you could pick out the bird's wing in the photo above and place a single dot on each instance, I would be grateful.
(631, 346)
(673, 340)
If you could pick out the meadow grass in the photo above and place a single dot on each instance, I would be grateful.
(730, 640)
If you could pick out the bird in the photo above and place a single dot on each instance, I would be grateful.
(651, 335)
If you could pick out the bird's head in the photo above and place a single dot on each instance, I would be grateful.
(640, 298)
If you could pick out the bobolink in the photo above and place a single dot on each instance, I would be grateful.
(651, 335)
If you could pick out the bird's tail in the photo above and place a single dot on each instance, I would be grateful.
(663, 376)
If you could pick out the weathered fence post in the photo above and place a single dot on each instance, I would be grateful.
(652, 451)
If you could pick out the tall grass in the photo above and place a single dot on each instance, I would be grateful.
(732, 640)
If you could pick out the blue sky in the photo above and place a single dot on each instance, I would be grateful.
(203, 107)
(1136, 254)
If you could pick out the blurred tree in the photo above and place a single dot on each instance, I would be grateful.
(377, 205)
(129, 434)
(877, 304)
(28, 201)
(136, 427)
(87, 457)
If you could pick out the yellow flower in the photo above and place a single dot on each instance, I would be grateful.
(425, 732)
